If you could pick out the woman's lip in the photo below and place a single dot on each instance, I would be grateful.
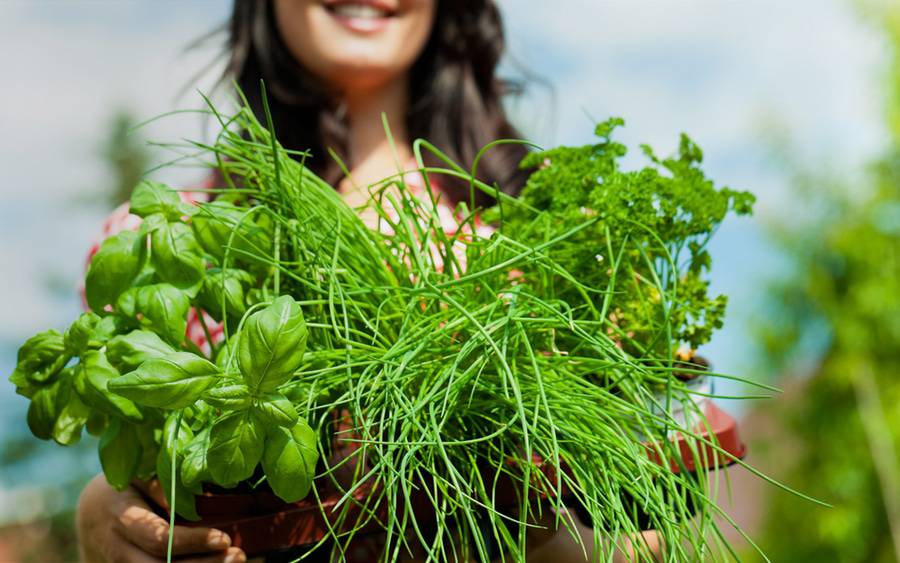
(389, 7)
(361, 24)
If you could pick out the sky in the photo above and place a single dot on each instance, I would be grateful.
(730, 73)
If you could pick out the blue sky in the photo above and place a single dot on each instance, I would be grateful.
(726, 72)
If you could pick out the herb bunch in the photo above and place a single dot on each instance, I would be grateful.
(462, 380)
(647, 243)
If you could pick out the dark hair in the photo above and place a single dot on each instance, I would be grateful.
(455, 95)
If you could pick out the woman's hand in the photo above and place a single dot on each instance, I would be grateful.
(119, 527)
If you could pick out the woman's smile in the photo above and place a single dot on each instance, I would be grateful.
(362, 16)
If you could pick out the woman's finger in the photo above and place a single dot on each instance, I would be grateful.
(233, 555)
(140, 526)
(190, 541)
(152, 490)
(145, 529)
(127, 553)
(151, 532)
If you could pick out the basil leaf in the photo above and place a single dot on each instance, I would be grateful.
(176, 255)
(91, 378)
(275, 408)
(149, 452)
(173, 382)
(106, 328)
(126, 304)
(289, 460)
(194, 469)
(163, 308)
(235, 448)
(151, 224)
(70, 422)
(23, 386)
(271, 345)
(224, 356)
(78, 335)
(42, 357)
(120, 454)
(214, 224)
(113, 269)
(150, 197)
(97, 421)
(44, 409)
(229, 397)
(224, 287)
(185, 504)
(128, 351)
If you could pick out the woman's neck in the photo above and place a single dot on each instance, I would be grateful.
(370, 155)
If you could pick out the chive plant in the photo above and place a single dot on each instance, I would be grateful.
(484, 393)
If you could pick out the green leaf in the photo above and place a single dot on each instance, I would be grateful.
(176, 256)
(91, 378)
(105, 329)
(151, 224)
(70, 422)
(235, 448)
(44, 409)
(151, 197)
(126, 304)
(289, 460)
(277, 409)
(149, 452)
(194, 469)
(271, 345)
(229, 397)
(97, 421)
(173, 382)
(162, 308)
(78, 335)
(214, 224)
(224, 287)
(185, 504)
(113, 269)
(224, 355)
(23, 386)
(128, 351)
(120, 453)
(42, 357)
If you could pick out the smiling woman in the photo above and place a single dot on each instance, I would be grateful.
(429, 66)
(333, 69)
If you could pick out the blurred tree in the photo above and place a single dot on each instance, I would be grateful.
(843, 426)
(126, 155)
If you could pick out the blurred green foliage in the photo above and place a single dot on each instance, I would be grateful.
(126, 156)
(840, 432)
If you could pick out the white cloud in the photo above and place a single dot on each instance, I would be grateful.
(712, 68)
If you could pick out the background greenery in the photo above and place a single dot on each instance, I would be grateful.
(834, 323)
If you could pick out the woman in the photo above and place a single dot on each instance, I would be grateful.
(332, 68)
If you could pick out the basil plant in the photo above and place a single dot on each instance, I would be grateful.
(126, 372)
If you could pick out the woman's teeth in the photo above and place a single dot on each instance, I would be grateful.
(361, 11)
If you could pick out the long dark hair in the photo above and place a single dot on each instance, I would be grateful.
(455, 96)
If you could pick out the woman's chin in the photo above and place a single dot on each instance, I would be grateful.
(359, 75)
